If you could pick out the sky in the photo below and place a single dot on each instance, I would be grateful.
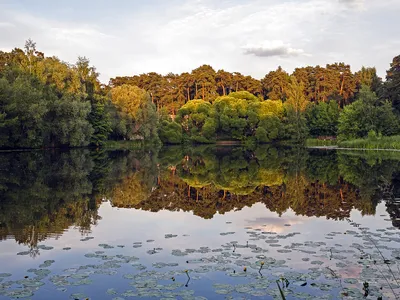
(128, 37)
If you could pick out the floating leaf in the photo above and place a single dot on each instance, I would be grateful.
(43, 247)
(112, 292)
(78, 296)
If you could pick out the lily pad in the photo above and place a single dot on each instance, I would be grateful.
(78, 296)
(169, 236)
(44, 247)
(46, 263)
(19, 293)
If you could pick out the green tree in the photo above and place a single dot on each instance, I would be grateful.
(322, 118)
(275, 85)
(100, 121)
(205, 84)
(23, 108)
(269, 129)
(368, 76)
(170, 132)
(295, 122)
(365, 115)
(137, 108)
(67, 122)
(392, 84)
(197, 120)
(224, 82)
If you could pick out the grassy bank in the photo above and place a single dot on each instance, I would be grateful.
(320, 143)
(385, 142)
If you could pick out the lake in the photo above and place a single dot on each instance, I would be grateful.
(207, 222)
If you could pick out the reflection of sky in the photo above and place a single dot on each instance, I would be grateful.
(126, 226)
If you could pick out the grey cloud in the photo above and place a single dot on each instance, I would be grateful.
(353, 3)
(274, 48)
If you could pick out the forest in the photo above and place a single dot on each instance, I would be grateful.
(46, 103)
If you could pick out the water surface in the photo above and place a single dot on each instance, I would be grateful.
(202, 222)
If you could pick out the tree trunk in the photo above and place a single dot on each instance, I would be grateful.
(203, 91)
(188, 93)
(341, 87)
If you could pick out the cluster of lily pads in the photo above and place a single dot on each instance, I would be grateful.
(264, 264)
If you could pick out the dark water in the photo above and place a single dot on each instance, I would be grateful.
(197, 223)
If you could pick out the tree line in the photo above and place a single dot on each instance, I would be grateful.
(45, 102)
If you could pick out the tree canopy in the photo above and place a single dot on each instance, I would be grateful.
(45, 102)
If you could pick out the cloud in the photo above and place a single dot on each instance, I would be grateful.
(352, 2)
(272, 48)
(180, 35)
(6, 25)
(357, 4)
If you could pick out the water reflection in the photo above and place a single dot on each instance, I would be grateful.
(44, 193)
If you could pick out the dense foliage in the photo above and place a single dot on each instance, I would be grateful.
(45, 102)
(366, 115)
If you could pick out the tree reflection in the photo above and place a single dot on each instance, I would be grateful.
(44, 193)
(207, 181)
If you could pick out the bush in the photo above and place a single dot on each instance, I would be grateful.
(170, 132)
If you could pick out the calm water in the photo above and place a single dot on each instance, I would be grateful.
(197, 223)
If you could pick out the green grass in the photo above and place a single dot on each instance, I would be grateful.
(320, 143)
(385, 142)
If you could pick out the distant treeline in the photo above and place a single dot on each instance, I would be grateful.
(45, 102)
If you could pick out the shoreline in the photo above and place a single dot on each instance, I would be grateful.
(352, 149)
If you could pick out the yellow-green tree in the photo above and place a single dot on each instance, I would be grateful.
(136, 107)
(295, 106)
